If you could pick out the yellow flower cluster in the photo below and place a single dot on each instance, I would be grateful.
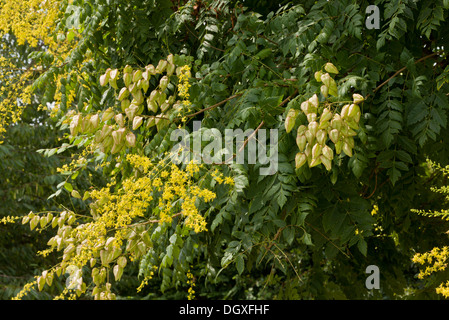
(436, 258)
(15, 92)
(30, 20)
(191, 282)
(184, 85)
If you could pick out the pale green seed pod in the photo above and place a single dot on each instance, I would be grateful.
(327, 152)
(107, 114)
(357, 98)
(300, 160)
(324, 90)
(347, 149)
(301, 141)
(329, 67)
(326, 162)
(313, 127)
(321, 137)
(123, 94)
(311, 117)
(334, 135)
(316, 151)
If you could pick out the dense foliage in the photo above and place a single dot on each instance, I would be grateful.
(357, 111)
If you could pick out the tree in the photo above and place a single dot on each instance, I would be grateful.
(356, 111)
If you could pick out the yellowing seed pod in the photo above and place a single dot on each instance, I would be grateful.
(336, 122)
(125, 104)
(305, 107)
(113, 74)
(311, 117)
(138, 96)
(118, 135)
(326, 79)
(123, 94)
(314, 101)
(161, 66)
(353, 110)
(326, 115)
(357, 98)
(333, 89)
(316, 151)
(119, 119)
(347, 149)
(145, 85)
(315, 162)
(104, 78)
(317, 76)
(128, 69)
(309, 136)
(300, 160)
(152, 105)
(290, 119)
(131, 111)
(313, 127)
(324, 90)
(327, 152)
(127, 79)
(171, 59)
(326, 162)
(321, 137)
(329, 67)
(137, 75)
(338, 146)
(94, 121)
(170, 69)
(75, 125)
(163, 83)
(165, 106)
(107, 114)
(334, 135)
(344, 111)
(130, 139)
(301, 141)
(301, 130)
(349, 141)
(137, 121)
(150, 122)
(151, 69)
(323, 125)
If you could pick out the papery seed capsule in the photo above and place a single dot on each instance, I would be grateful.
(138, 96)
(336, 122)
(301, 141)
(329, 67)
(324, 90)
(137, 121)
(165, 106)
(74, 125)
(326, 79)
(113, 74)
(119, 119)
(333, 89)
(152, 105)
(334, 135)
(338, 146)
(300, 160)
(313, 127)
(163, 83)
(357, 98)
(316, 151)
(323, 125)
(309, 136)
(107, 114)
(344, 111)
(305, 107)
(130, 139)
(347, 149)
(308, 150)
(171, 59)
(317, 76)
(349, 141)
(321, 137)
(327, 152)
(125, 104)
(314, 101)
(124, 93)
(104, 78)
(315, 162)
(170, 69)
(94, 121)
(353, 110)
(137, 75)
(326, 115)
(127, 69)
(326, 162)
(150, 122)
(161, 66)
(145, 85)
(289, 123)
(301, 130)
(151, 69)
(311, 117)
(127, 79)
(131, 111)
